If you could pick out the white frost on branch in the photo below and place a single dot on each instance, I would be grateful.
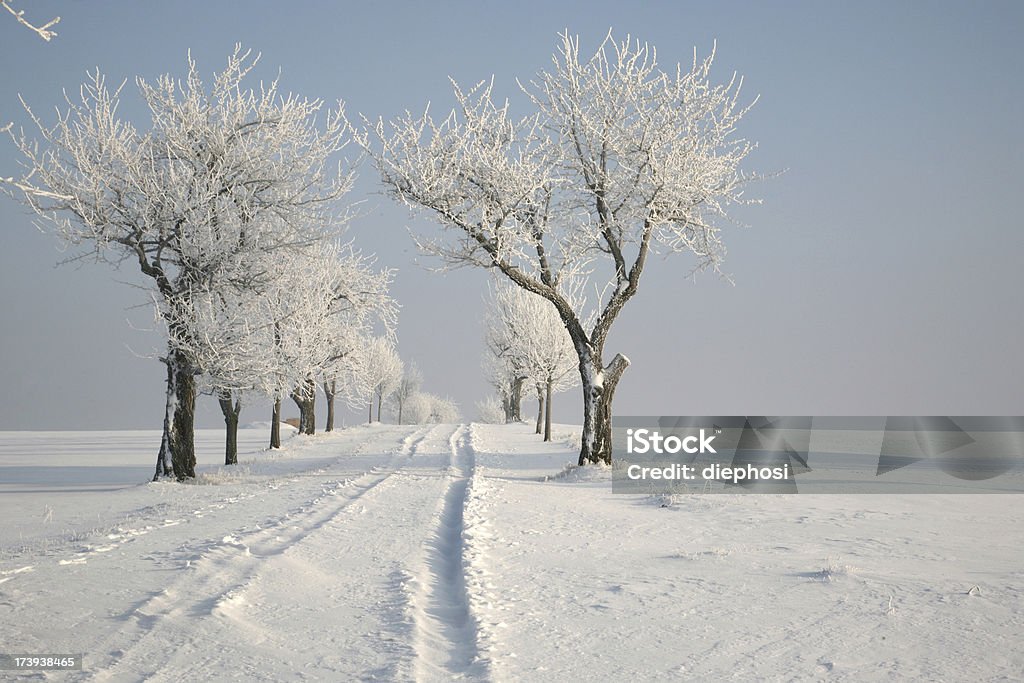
(43, 31)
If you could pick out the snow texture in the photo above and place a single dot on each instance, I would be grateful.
(440, 552)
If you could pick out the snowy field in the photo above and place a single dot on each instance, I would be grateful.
(465, 551)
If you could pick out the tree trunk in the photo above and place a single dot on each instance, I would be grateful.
(380, 404)
(514, 407)
(369, 419)
(330, 389)
(305, 398)
(547, 414)
(275, 421)
(275, 424)
(182, 433)
(401, 404)
(598, 391)
(540, 409)
(163, 458)
(230, 410)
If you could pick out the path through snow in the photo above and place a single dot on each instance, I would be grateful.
(448, 552)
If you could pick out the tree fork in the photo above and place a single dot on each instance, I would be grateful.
(305, 399)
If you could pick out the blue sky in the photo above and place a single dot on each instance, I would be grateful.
(881, 275)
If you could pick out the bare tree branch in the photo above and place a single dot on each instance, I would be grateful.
(43, 31)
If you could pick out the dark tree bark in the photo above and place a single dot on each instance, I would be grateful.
(230, 409)
(305, 398)
(163, 458)
(163, 461)
(517, 399)
(182, 433)
(540, 409)
(369, 419)
(330, 389)
(275, 424)
(513, 402)
(547, 413)
(598, 391)
(380, 405)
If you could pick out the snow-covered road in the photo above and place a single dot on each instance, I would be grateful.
(464, 551)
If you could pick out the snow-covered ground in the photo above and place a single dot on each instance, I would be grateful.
(468, 551)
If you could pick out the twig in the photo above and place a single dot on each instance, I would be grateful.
(44, 31)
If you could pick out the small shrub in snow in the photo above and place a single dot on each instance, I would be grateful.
(665, 499)
(833, 571)
(572, 439)
(490, 411)
(424, 408)
(582, 473)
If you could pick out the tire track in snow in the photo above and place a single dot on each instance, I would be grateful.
(219, 573)
(101, 540)
(289, 593)
(445, 631)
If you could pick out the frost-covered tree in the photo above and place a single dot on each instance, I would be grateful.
(618, 158)
(360, 304)
(504, 372)
(382, 371)
(308, 318)
(407, 388)
(323, 325)
(533, 340)
(217, 172)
